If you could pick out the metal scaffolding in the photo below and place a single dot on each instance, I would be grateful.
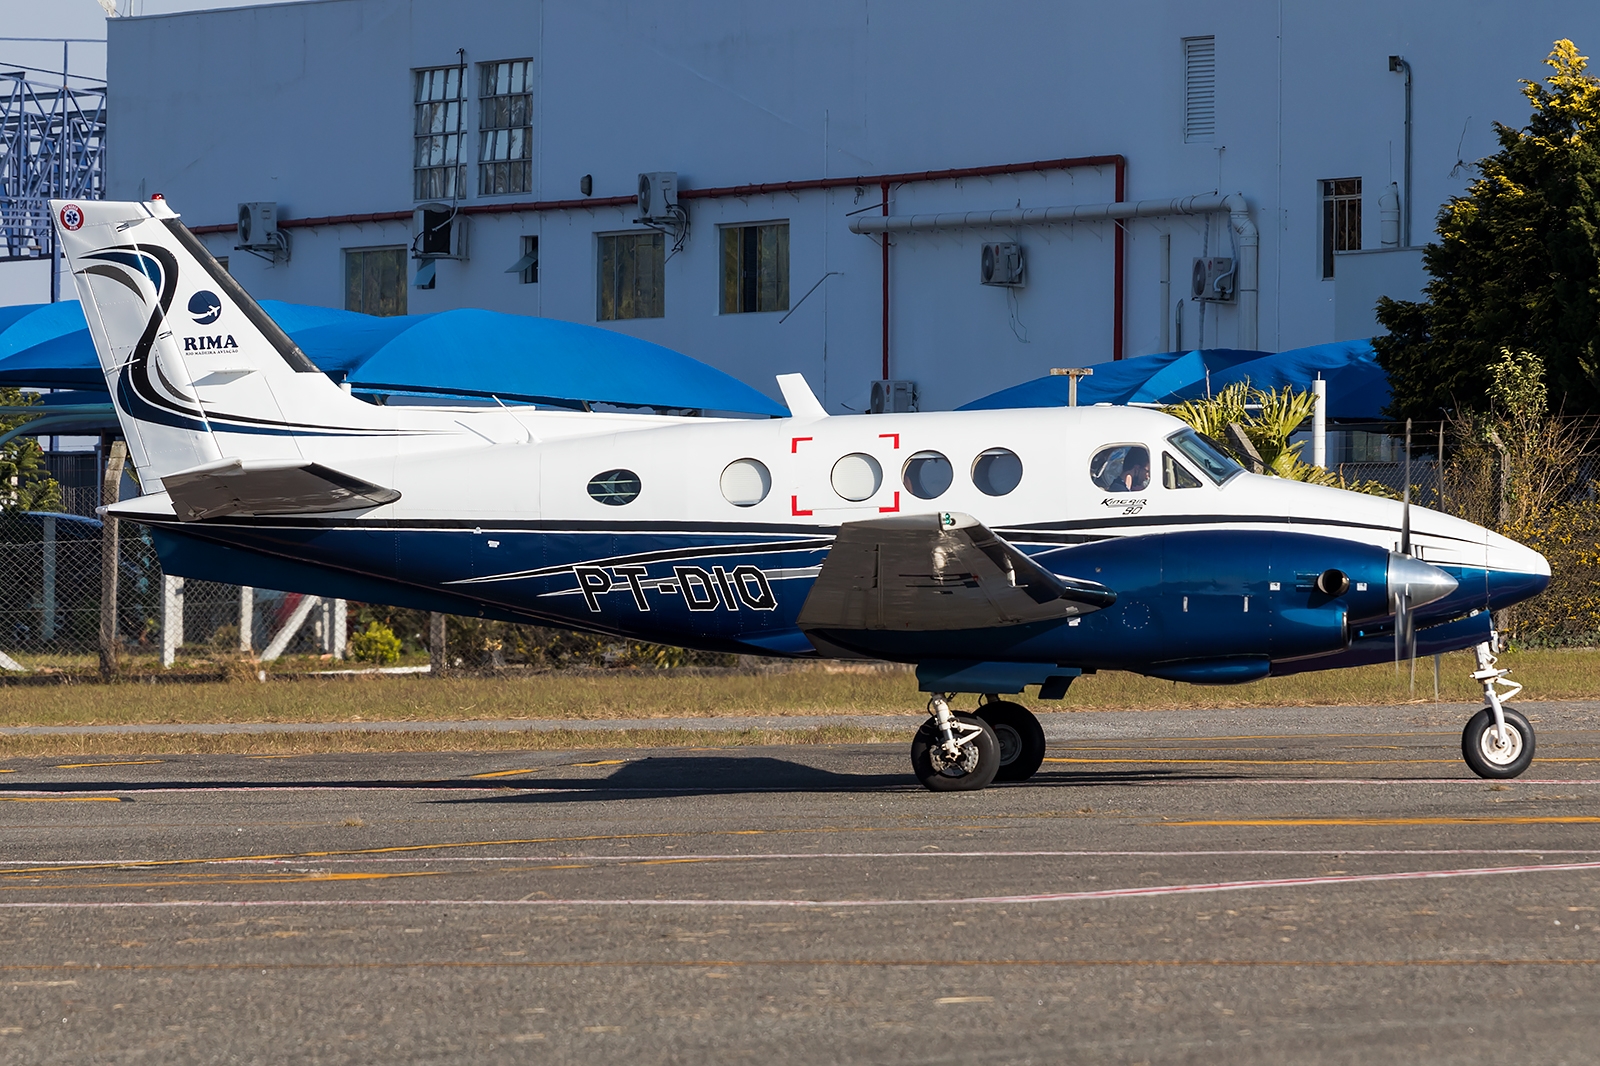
(52, 144)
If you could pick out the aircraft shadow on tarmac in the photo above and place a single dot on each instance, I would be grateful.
(711, 775)
(658, 776)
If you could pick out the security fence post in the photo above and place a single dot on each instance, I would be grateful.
(437, 661)
(110, 487)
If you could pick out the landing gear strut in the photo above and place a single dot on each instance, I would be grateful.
(954, 752)
(1020, 734)
(1498, 742)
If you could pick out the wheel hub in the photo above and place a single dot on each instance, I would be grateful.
(959, 765)
(1010, 742)
(1500, 750)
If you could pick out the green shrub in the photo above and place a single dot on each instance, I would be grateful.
(375, 644)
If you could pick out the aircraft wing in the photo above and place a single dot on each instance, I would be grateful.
(921, 573)
(243, 487)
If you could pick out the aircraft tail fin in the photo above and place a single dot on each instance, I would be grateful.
(197, 370)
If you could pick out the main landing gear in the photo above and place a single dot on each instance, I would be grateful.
(959, 752)
(1498, 742)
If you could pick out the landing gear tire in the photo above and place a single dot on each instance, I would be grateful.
(939, 771)
(1021, 739)
(1489, 755)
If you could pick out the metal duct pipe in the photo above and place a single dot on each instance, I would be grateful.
(1246, 236)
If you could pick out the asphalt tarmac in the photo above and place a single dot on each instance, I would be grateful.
(1298, 888)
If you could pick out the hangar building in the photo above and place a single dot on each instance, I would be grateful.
(1049, 174)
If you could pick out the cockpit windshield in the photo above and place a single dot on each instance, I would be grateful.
(1211, 460)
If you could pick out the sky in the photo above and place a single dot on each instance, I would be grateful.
(74, 18)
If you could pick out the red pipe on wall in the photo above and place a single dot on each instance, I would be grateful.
(883, 181)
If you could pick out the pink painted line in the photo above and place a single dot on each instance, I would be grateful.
(1348, 853)
(1047, 897)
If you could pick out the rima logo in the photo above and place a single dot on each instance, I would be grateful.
(209, 344)
(205, 307)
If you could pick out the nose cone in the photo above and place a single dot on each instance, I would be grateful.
(1418, 581)
(1515, 573)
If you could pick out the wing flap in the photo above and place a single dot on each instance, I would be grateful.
(241, 487)
(925, 573)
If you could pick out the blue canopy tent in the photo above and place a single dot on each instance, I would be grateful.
(1358, 389)
(460, 353)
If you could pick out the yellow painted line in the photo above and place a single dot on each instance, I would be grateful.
(451, 845)
(1260, 762)
(7, 771)
(61, 799)
(502, 773)
(89, 765)
(1532, 819)
(602, 762)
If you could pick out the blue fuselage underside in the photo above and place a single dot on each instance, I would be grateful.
(1190, 597)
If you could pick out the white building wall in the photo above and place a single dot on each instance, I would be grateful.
(309, 104)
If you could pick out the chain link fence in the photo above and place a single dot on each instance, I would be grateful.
(50, 604)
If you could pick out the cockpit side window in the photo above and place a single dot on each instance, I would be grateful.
(1211, 460)
(1174, 475)
(1121, 468)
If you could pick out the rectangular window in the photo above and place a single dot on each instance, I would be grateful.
(527, 268)
(755, 268)
(375, 280)
(631, 267)
(440, 99)
(1341, 219)
(505, 127)
(1199, 88)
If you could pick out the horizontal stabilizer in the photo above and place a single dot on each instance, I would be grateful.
(243, 487)
(947, 571)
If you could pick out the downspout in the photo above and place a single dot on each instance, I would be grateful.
(1248, 239)
(885, 188)
(1399, 65)
(1118, 270)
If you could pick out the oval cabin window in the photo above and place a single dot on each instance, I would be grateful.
(997, 471)
(615, 487)
(927, 475)
(857, 477)
(746, 482)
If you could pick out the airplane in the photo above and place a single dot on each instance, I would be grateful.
(995, 550)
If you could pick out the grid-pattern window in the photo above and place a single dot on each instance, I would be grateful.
(1341, 219)
(440, 97)
(631, 268)
(375, 280)
(1199, 88)
(755, 268)
(505, 127)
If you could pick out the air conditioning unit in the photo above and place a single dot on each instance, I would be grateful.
(258, 230)
(1001, 265)
(894, 397)
(1213, 279)
(658, 197)
(441, 232)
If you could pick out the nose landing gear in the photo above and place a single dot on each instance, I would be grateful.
(1498, 742)
(958, 752)
(954, 752)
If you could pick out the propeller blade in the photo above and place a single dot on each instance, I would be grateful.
(1405, 498)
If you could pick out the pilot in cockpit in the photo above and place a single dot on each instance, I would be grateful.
(1121, 468)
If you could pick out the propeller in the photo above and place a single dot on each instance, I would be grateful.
(1405, 629)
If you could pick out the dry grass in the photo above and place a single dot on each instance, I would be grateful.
(1564, 674)
(119, 744)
